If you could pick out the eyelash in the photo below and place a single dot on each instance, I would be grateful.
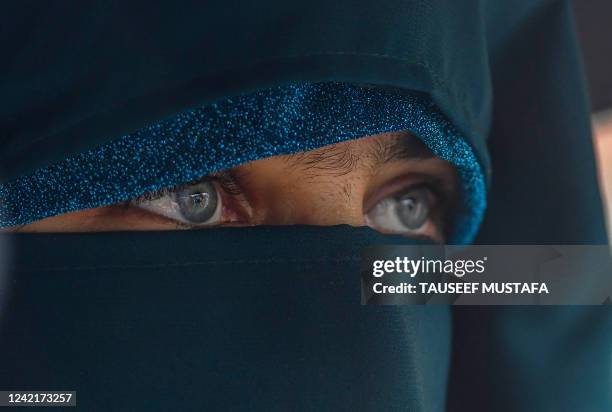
(226, 180)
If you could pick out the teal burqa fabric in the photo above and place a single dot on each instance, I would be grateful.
(269, 318)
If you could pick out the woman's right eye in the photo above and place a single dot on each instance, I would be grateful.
(197, 204)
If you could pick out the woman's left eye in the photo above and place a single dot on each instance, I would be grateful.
(409, 213)
(197, 204)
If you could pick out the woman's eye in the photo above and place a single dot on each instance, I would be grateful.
(194, 204)
(406, 213)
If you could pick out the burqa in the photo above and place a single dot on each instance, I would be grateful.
(269, 318)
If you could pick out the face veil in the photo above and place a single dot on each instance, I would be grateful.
(269, 317)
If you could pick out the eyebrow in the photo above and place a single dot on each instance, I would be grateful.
(342, 160)
(404, 146)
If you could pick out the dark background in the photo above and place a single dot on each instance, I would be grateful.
(594, 23)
